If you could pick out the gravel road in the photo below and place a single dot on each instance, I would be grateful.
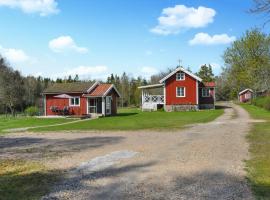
(203, 161)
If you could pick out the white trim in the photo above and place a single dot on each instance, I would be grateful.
(111, 87)
(197, 93)
(184, 92)
(183, 70)
(151, 86)
(87, 110)
(92, 87)
(74, 101)
(209, 95)
(164, 93)
(180, 76)
(103, 106)
(243, 91)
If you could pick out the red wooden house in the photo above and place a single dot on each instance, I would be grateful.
(245, 95)
(80, 98)
(180, 90)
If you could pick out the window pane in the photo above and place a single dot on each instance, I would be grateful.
(72, 101)
(77, 101)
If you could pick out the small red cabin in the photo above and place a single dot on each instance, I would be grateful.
(245, 95)
(80, 98)
(182, 90)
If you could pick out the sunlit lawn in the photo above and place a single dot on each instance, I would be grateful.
(134, 119)
(22, 122)
(259, 165)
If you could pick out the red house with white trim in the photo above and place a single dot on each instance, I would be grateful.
(80, 98)
(245, 95)
(181, 90)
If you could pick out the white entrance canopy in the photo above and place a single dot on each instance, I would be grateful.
(63, 96)
(151, 86)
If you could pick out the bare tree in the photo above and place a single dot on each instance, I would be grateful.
(262, 7)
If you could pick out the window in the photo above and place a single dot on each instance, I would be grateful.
(75, 101)
(180, 92)
(180, 76)
(205, 92)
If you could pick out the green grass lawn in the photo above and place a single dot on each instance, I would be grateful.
(258, 166)
(134, 119)
(25, 180)
(22, 122)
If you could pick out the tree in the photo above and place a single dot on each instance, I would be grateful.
(261, 7)
(12, 87)
(206, 73)
(247, 62)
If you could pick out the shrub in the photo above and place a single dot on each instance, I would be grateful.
(31, 111)
(263, 102)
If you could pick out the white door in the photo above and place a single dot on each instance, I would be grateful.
(108, 105)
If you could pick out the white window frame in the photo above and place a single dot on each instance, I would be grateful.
(179, 76)
(74, 105)
(184, 92)
(204, 93)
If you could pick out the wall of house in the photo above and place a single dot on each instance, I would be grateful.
(61, 103)
(190, 86)
(114, 96)
(207, 100)
(245, 96)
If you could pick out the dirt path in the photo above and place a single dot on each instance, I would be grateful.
(204, 161)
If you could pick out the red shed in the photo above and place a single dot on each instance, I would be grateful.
(182, 90)
(245, 95)
(80, 98)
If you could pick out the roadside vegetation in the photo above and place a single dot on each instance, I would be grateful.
(23, 122)
(25, 180)
(135, 119)
(258, 166)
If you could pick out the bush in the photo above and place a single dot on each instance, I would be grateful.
(263, 102)
(31, 111)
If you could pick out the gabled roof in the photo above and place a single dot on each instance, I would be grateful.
(182, 70)
(77, 87)
(245, 90)
(102, 90)
(209, 84)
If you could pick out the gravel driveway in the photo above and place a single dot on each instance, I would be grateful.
(204, 161)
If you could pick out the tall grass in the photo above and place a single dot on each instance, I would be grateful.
(263, 102)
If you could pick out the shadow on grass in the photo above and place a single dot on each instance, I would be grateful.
(125, 114)
(39, 148)
(23, 181)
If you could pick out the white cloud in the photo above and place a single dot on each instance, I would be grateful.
(206, 39)
(14, 55)
(65, 43)
(43, 7)
(87, 72)
(147, 72)
(180, 17)
(215, 66)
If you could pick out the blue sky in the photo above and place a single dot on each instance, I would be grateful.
(93, 38)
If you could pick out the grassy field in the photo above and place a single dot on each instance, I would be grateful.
(21, 180)
(258, 166)
(134, 119)
(22, 122)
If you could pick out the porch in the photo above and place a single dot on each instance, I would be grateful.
(99, 106)
(153, 97)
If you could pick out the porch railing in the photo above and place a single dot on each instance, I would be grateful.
(154, 99)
